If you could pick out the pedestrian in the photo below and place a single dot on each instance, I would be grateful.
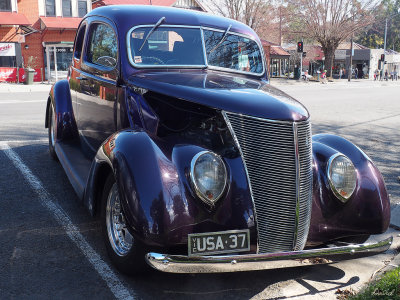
(395, 74)
(376, 74)
(386, 75)
(355, 73)
(392, 75)
(364, 71)
(340, 73)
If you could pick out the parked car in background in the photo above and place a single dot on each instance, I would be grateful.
(168, 128)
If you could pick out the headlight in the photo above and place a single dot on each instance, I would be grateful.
(208, 175)
(342, 176)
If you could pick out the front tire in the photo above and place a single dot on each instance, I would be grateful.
(52, 121)
(124, 250)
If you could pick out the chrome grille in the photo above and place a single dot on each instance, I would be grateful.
(278, 159)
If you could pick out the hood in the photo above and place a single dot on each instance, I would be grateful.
(223, 91)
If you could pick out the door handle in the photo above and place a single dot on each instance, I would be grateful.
(81, 78)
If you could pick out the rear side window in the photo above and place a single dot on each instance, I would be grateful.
(102, 47)
(79, 42)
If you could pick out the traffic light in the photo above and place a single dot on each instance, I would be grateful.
(299, 46)
(382, 57)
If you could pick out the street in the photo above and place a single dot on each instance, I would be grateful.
(52, 248)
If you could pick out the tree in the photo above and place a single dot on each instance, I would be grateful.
(374, 35)
(253, 13)
(330, 22)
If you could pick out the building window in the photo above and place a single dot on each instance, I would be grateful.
(50, 8)
(66, 8)
(5, 5)
(82, 8)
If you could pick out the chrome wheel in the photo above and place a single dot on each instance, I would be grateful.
(120, 239)
(53, 127)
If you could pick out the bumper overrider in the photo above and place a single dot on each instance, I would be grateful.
(265, 261)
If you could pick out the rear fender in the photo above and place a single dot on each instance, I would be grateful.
(60, 99)
(368, 209)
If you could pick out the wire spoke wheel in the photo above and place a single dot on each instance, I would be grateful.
(120, 239)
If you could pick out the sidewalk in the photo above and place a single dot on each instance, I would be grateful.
(360, 82)
(19, 87)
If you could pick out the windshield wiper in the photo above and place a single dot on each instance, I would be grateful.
(222, 39)
(151, 31)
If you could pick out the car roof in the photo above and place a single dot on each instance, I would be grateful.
(128, 16)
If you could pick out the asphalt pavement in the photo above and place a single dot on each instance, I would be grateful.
(52, 248)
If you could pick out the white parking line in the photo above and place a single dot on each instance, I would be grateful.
(37, 141)
(102, 268)
(20, 101)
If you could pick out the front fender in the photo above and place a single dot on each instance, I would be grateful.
(160, 207)
(60, 99)
(368, 209)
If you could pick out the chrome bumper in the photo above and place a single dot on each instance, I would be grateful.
(251, 262)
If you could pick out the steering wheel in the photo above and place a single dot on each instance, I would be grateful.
(107, 61)
(153, 58)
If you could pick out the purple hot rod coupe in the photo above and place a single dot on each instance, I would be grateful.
(169, 130)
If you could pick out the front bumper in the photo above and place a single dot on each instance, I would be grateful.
(252, 262)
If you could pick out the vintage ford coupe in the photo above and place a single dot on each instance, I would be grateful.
(169, 130)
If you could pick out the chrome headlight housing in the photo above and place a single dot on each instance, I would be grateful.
(208, 176)
(342, 176)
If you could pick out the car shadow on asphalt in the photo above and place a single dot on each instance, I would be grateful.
(266, 284)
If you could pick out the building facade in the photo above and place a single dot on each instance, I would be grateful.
(42, 33)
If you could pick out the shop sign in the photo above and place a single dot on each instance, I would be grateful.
(7, 49)
(8, 74)
(59, 49)
(340, 54)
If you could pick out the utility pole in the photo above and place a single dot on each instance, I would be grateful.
(384, 49)
(301, 59)
(350, 70)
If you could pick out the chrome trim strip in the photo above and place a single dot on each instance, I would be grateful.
(228, 123)
(297, 162)
(265, 261)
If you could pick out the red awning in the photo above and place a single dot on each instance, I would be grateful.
(60, 22)
(279, 51)
(13, 18)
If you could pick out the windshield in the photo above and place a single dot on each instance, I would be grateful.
(173, 46)
(167, 46)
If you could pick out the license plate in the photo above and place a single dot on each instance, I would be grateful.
(219, 242)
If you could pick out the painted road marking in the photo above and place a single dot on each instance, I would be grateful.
(104, 270)
(37, 141)
(20, 101)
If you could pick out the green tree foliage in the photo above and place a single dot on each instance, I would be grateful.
(374, 35)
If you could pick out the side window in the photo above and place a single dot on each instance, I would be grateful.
(102, 47)
(79, 42)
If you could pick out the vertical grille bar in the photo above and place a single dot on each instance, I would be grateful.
(277, 156)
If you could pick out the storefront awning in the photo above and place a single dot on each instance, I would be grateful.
(13, 18)
(278, 51)
(60, 22)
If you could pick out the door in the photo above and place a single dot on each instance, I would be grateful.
(96, 98)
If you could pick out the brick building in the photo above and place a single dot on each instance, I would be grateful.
(186, 4)
(39, 34)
